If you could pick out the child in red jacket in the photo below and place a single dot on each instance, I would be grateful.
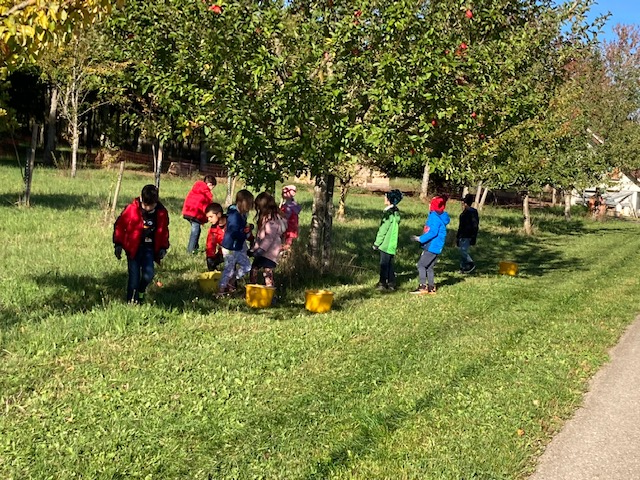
(142, 231)
(198, 198)
(218, 221)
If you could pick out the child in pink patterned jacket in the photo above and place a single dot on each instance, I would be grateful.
(268, 241)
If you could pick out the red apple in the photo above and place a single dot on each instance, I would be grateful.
(446, 52)
(482, 136)
(217, 9)
(463, 46)
(434, 122)
(469, 14)
(474, 115)
(412, 151)
(357, 13)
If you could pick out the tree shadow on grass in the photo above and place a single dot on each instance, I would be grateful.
(74, 294)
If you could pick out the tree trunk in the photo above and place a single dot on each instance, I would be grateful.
(567, 204)
(424, 187)
(344, 191)
(75, 135)
(554, 197)
(157, 163)
(52, 119)
(30, 165)
(476, 201)
(231, 186)
(116, 193)
(203, 155)
(483, 199)
(525, 212)
(465, 192)
(89, 137)
(322, 220)
(328, 223)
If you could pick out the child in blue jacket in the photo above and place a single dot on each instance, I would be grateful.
(432, 243)
(234, 242)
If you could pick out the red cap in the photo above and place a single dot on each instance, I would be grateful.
(438, 204)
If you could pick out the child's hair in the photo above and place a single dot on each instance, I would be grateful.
(266, 208)
(210, 179)
(394, 196)
(149, 195)
(468, 199)
(244, 197)
(213, 207)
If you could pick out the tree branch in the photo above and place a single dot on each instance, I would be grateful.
(18, 7)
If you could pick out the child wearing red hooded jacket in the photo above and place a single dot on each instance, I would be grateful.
(142, 231)
(218, 221)
(193, 210)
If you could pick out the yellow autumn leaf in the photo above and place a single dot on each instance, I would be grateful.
(43, 20)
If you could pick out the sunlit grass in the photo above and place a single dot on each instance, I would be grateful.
(467, 384)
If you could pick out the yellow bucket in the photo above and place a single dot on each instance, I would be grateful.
(259, 296)
(208, 281)
(508, 268)
(318, 301)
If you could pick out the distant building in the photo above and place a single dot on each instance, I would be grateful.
(621, 194)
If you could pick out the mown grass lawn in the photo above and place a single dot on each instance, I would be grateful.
(469, 384)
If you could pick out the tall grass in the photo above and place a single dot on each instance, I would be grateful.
(468, 384)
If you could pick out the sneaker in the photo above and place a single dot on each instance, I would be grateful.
(431, 289)
(421, 290)
(381, 287)
(471, 268)
(141, 298)
(391, 287)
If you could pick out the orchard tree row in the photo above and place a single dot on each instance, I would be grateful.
(510, 93)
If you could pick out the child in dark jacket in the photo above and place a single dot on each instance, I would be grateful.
(218, 221)
(234, 242)
(432, 243)
(386, 241)
(142, 231)
(467, 233)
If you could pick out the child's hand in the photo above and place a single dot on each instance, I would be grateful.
(375, 248)
(415, 238)
(117, 251)
(162, 253)
(248, 228)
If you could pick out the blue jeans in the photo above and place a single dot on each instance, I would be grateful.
(141, 271)
(194, 237)
(465, 259)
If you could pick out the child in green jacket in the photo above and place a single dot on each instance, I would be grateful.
(387, 240)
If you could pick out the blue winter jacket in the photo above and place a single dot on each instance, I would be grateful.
(234, 236)
(435, 235)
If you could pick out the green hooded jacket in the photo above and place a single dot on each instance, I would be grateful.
(387, 237)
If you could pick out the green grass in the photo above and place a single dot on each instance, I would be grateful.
(469, 384)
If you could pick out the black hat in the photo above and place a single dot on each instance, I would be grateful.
(394, 196)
